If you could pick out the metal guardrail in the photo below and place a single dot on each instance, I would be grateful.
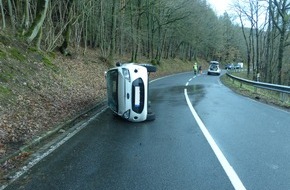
(268, 86)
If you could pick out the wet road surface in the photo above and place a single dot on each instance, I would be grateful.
(172, 152)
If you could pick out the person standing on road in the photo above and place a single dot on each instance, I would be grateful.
(199, 69)
(195, 68)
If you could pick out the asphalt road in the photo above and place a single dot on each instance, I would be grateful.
(173, 152)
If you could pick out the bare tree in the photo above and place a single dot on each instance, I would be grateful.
(248, 39)
(3, 15)
(251, 12)
(157, 29)
(67, 30)
(26, 20)
(36, 27)
(113, 30)
(281, 22)
(12, 16)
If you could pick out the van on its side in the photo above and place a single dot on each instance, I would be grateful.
(127, 91)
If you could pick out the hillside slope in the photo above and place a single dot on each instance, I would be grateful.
(38, 92)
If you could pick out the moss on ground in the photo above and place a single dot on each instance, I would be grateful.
(16, 54)
(262, 95)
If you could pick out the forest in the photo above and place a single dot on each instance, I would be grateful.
(254, 32)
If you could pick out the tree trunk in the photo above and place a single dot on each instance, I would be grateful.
(113, 32)
(102, 29)
(66, 41)
(3, 15)
(38, 22)
(268, 45)
(67, 31)
(257, 38)
(280, 54)
(282, 25)
(138, 28)
(149, 28)
(26, 15)
(12, 16)
(39, 37)
(133, 36)
(122, 28)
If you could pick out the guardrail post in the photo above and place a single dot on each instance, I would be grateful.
(283, 97)
(283, 91)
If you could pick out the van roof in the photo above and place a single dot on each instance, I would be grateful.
(214, 62)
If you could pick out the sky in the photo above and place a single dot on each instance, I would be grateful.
(220, 6)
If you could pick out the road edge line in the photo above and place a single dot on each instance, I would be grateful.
(22, 170)
(232, 175)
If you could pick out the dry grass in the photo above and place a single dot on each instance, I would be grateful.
(263, 95)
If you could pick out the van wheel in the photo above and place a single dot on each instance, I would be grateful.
(150, 116)
(150, 68)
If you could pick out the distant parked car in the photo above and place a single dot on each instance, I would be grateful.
(241, 65)
(214, 69)
(237, 66)
(127, 91)
(229, 66)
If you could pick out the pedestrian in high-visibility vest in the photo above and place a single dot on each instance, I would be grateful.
(195, 68)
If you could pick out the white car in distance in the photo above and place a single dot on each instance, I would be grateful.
(127, 91)
(214, 68)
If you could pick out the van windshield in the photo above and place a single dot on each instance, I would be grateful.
(112, 89)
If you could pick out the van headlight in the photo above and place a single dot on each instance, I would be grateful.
(126, 74)
(126, 115)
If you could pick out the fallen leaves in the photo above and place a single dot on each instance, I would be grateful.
(48, 98)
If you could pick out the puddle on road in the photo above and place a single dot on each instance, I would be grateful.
(175, 95)
(195, 93)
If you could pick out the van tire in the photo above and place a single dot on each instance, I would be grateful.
(150, 68)
(150, 116)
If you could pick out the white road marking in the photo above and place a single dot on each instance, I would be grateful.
(220, 83)
(52, 148)
(232, 175)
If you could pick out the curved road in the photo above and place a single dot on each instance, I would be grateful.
(204, 137)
